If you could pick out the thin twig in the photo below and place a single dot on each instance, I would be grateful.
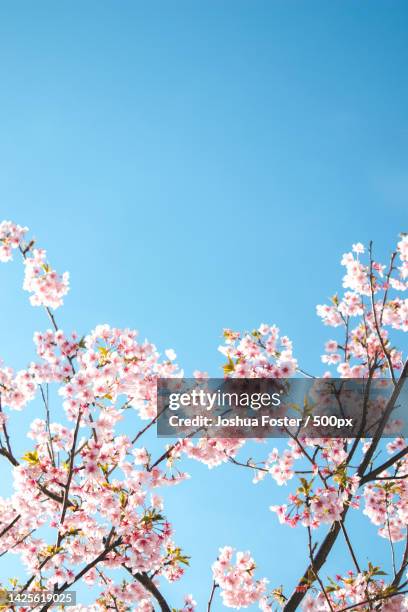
(210, 600)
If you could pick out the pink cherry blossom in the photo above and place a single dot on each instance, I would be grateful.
(46, 285)
(88, 502)
(239, 588)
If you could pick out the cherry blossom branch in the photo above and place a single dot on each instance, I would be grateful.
(111, 595)
(47, 492)
(69, 479)
(162, 457)
(364, 417)
(327, 544)
(18, 542)
(402, 477)
(403, 566)
(387, 284)
(13, 522)
(171, 448)
(373, 474)
(109, 548)
(152, 422)
(308, 457)
(374, 312)
(315, 573)
(247, 464)
(56, 328)
(149, 585)
(7, 453)
(319, 560)
(389, 535)
(24, 252)
(348, 541)
(210, 600)
(45, 399)
(372, 600)
(54, 496)
(371, 354)
(307, 374)
(389, 408)
(32, 578)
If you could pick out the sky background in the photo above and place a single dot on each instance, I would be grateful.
(201, 165)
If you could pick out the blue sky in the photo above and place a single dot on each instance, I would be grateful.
(197, 165)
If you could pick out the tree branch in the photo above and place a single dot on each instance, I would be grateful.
(149, 585)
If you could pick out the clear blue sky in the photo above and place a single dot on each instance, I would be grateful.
(197, 165)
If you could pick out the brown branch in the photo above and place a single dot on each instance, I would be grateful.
(152, 422)
(394, 567)
(162, 457)
(210, 600)
(54, 496)
(312, 565)
(9, 457)
(372, 600)
(7, 453)
(377, 436)
(373, 475)
(348, 541)
(13, 522)
(365, 409)
(83, 571)
(20, 541)
(70, 474)
(107, 584)
(403, 566)
(149, 585)
(247, 464)
(297, 596)
(47, 423)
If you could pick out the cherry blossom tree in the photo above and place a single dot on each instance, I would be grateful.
(98, 492)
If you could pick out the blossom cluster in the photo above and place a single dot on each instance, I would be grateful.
(239, 589)
(262, 353)
(11, 236)
(386, 499)
(17, 389)
(368, 341)
(111, 364)
(47, 286)
(365, 588)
